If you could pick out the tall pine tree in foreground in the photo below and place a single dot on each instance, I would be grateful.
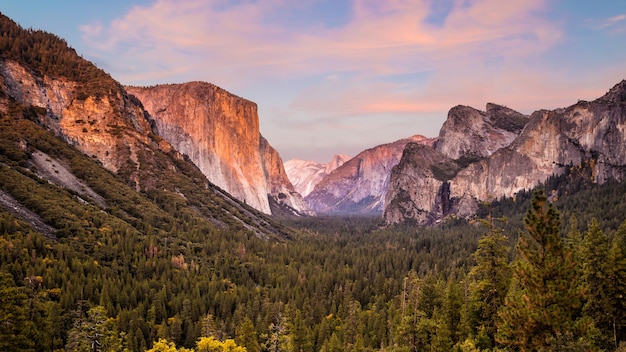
(617, 260)
(490, 282)
(598, 288)
(542, 304)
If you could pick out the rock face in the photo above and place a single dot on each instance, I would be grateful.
(419, 180)
(549, 143)
(304, 175)
(282, 196)
(111, 128)
(220, 133)
(359, 185)
(472, 134)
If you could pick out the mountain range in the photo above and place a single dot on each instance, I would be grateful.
(480, 156)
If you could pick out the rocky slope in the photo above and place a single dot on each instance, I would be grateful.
(110, 128)
(593, 133)
(220, 133)
(304, 175)
(416, 189)
(360, 184)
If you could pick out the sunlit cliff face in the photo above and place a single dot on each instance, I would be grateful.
(220, 133)
(109, 128)
(217, 130)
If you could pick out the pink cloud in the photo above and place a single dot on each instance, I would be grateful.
(236, 38)
(484, 51)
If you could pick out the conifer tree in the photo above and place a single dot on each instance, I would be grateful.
(407, 333)
(94, 332)
(542, 302)
(490, 281)
(246, 335)
(14, 321)
(617, 258)
(597, 271)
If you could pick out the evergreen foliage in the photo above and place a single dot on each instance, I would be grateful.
(489, 284)
(543, 302)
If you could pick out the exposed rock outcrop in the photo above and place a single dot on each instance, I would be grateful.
(359, 185)
(283, 197)
(551, 141)
(472, 134)
(304, 175)
(217, 130)
(110, 128)
(419, 179)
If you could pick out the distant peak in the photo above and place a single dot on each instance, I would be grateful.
(340, 157)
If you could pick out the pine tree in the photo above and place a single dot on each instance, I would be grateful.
(451, 309)
(597, 271)
(14, 321)
(491, 276)
(246, 335)
(617, 258)
(410, 314)
(542, 302)
(94, 332)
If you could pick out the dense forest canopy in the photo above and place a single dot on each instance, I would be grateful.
(153, 270)
(148, 270)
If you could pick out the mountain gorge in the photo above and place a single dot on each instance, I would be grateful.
(359, 185)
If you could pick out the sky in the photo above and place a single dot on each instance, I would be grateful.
(342, 76)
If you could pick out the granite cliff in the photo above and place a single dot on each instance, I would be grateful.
(472, 134)
(545, 144)
(360, 184)
(416, 188)
(113, 129)
(220, 133)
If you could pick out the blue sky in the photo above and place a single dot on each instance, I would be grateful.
(339, 76)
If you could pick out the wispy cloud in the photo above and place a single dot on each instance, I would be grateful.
(613, 21)
(236, 42)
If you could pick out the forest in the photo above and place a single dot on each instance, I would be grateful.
(147, 273)
(152, 270)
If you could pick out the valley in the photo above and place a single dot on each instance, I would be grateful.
(159, 218)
